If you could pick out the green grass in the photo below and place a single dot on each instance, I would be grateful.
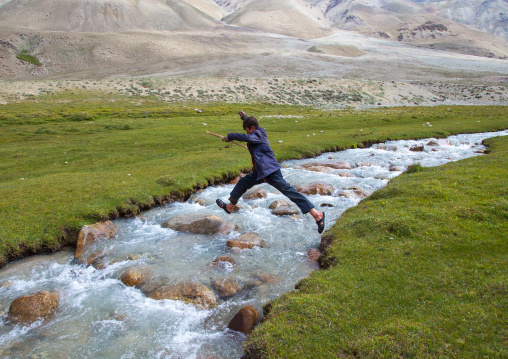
(417, 270)
(29, 58)
(75, 158)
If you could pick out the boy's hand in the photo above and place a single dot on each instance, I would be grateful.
(225, 139)
(243, 115)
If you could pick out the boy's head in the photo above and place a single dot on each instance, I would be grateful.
(249, 123)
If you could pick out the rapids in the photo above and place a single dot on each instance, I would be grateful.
(99, 316)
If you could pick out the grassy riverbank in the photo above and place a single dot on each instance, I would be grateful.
(74, 158)
(417, 270)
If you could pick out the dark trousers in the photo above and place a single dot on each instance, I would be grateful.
(276, 180)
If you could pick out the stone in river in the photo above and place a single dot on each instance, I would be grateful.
(91, 233)
(417, 148)
(318, 168)
(255, 194)
(227, 287)
(33, 307)
(206, 225)
(322, 189)
(223, 259)
(135, 277)
(246, 241)
(285, 211)
(244, 320)
(355, 193)
(339, 165)
(189, 292)
(279, 203)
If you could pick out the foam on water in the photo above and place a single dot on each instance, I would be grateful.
(98, 316)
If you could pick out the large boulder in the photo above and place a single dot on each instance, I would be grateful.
(205, 225)
(255, 193)
(246, 241)
(321, 189)
(227, 287)
(91, 233)
(34, 307)
(189, 292)
(136, 277)
(244, 320)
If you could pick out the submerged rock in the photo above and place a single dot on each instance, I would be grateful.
(319, 168)
(206, 225)
(244, 320)
(34, 307)
(91, 233)
(256, 193)
(246, 241)
(339, 165)
(189, 292)
(227, 287)
(223, 259)
(322, 189)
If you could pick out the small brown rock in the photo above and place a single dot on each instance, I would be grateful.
(339, 165)
(227, 287)
(279, 203)
(285, 211)
(355, 193)
(223, 259)
(206, 225)
(244, 320)
(255, 194)
(313, 254)
(246, 241)
(417, 148)
(135, 277)
(322, 189)
(34, 307)
(318, 168)
(396, 169)
(189, 292)
(346, 174)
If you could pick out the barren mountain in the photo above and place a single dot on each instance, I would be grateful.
(287, 17)
(107, 16)
(407, 21)
(488, 15)
(359, 40)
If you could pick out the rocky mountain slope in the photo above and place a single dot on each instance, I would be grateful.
(409, 40)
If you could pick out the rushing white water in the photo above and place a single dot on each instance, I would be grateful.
(98, 316)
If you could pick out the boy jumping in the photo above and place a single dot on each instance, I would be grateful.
(266, 169)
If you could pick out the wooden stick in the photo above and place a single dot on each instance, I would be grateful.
(233, 142)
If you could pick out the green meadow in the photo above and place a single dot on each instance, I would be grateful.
(71, 159)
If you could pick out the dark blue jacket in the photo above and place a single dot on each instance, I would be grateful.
(262, 155)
